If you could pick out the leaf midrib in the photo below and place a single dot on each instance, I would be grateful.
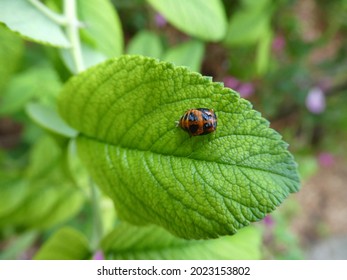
(292, 178)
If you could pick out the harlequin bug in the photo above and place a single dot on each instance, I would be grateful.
(198, 121)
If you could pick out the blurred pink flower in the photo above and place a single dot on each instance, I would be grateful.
(231, 82)
(326, 159)
(278, 43)
(246, 90)
(160, 21)
(269, 221)
(315, 100)
(98, 255)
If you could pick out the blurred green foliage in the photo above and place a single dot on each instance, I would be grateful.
(283, 49)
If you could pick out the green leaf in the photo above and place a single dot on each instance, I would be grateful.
(147, 243)
(247, 26)
(102, 26)
(108, 214)
(205, 20)
(90, 57)
(146, 43)
(77, 170)
(23, 17)
(11, 51)
(101, 36)
(49, 119)
(263, 53)
(51, 198)
(28, 85)
(259, 4)
(65, 244)
(188, 54)
(196, 187)
(12, 193)
(43, 158)
(308, 166)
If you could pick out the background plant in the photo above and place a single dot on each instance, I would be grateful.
(47, 192)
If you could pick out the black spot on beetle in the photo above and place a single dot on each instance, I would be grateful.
(193, 128)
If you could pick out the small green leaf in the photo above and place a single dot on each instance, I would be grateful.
(263, 53)
(12, 193)
(28, 85)
(205, 20)
(308, 166)
(50, 197)
(21, 16)
(101, 35)
(146, 43)
(49, 203)
(39, 163)
(90, 57)
(11, 50)
(188, 54)
(77, 170)
(49, 119)
(65, 244)
(247, 26)
(196, 187)
(147, 243)
(102, 26)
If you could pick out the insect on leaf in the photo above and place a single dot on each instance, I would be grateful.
(196, 187)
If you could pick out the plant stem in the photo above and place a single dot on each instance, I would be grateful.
(72, 27)
(59, 19)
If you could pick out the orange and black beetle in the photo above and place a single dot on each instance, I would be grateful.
(198, 121)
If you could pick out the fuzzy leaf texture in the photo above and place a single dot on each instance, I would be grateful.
(195, 187)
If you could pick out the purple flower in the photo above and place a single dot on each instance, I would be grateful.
(160, 21)
(246, 90)
(269, 221)
(315, 100)
(326, 159)
(98, 255)
(231, 82)
(278, 43)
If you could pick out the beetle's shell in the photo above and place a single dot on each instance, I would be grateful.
(198, 121)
